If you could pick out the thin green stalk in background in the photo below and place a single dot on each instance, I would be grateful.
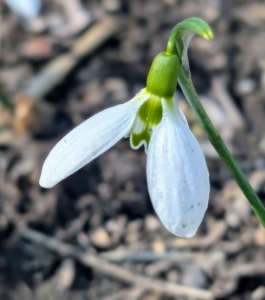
(217, 142)
(3, 98)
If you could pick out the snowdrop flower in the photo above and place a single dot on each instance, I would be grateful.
(177, 175)
(27, 9)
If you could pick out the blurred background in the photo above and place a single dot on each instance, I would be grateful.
(95, 235)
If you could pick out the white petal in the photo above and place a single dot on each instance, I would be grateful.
(177, 175)
(25, 8)
(87, 141)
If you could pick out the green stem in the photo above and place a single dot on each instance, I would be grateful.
(214, 137)
(171, 44)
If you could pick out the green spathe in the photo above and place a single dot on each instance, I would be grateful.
(163, 75)
(192, 25)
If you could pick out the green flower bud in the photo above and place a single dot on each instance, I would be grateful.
(163, 75)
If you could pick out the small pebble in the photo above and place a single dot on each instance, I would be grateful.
(258, 294)
(133, 231)
(100, 238)
(66, 275)
(194, 276)
(112, 5)
(152, 223)
(38, 48)
(259, 236)
(159, 246)
(118, 225)
(104, 191)
(232, 220)
(246, 86)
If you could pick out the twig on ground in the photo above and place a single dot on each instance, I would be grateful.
(176, 256)
(227, 282)
(99, 264)
(57, 69)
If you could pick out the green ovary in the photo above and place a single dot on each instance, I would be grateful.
(148, 116)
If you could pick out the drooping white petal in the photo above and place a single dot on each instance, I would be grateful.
(87, 141)
(177, 175)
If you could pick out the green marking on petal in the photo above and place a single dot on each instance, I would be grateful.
(151, 112)
(149, 115)
(143, 138)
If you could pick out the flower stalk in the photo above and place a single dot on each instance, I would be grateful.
(178, 43)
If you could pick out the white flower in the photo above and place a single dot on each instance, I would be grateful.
(177, 175)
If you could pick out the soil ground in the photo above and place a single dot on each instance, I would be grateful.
(105, 208)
